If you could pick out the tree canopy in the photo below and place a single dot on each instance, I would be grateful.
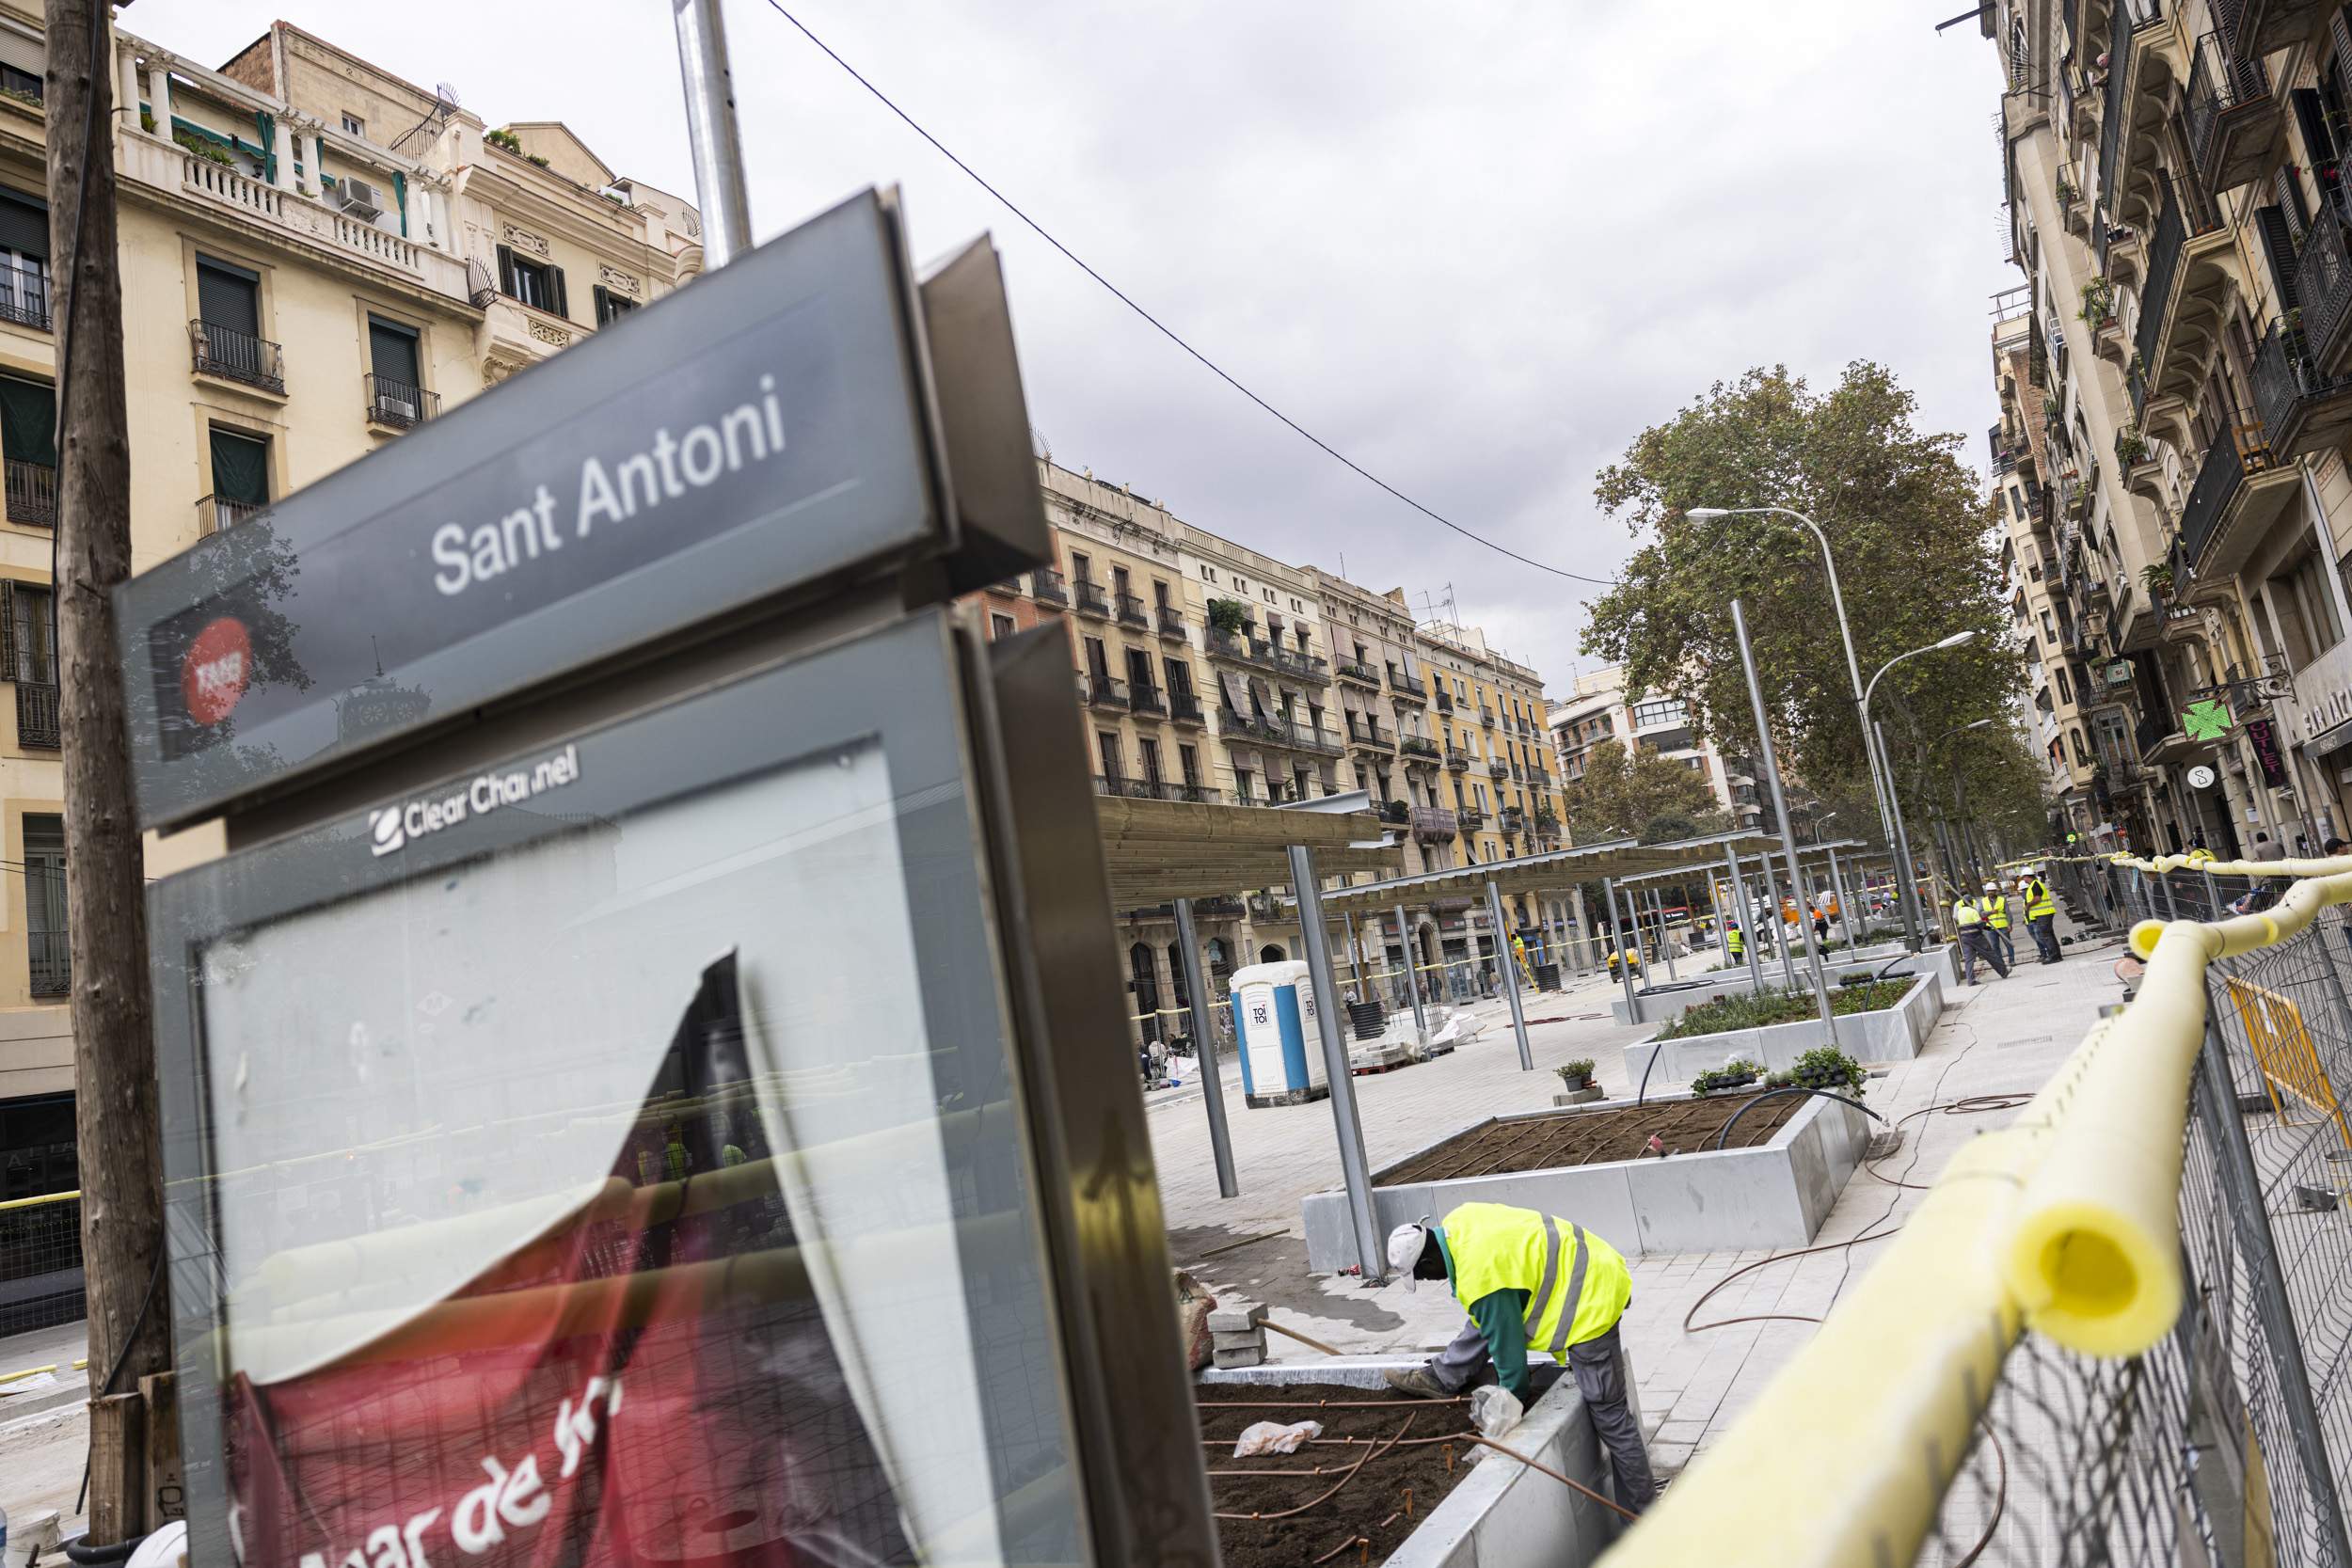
(1623, 793)
(1918, 558)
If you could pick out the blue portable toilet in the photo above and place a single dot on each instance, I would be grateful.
(1280, 1037)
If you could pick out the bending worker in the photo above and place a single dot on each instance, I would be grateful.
(1973, 943)
(1528, 1279)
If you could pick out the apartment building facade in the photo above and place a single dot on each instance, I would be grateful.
(310, 265)
(1599, 708)
(2176, 207)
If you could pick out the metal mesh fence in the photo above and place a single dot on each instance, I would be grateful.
(40, 1262)
(2226, 1442)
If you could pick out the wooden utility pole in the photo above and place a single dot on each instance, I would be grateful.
(116, 1118)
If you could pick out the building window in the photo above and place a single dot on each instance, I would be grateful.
(1663, 711)
(28, 423)
(23, 260)
(536, 283)
(1106, 746)
(612, 307)
(240, 478)
(354, 126)
(1000, 627)
(44, 905)
(228, 307)
(1188, 760)
(396, 392)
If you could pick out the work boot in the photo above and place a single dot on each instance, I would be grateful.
(1417, 1382)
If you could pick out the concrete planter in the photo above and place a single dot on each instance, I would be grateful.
(1504, 1514)
(1941, 960)
(1775, 1195)
(1888, 1035)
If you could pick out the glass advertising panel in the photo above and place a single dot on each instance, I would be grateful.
(632, 1175)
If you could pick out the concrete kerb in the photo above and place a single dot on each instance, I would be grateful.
(1775, 1194)
(1894, 1034)
(1502, 1515)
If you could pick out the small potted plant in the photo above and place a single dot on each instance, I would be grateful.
(1577, 1074)
(1737, 1074)
(1825, 1067)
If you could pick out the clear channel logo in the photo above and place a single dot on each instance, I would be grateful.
(391, 828)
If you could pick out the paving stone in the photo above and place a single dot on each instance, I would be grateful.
(1238, 1318)
(1239, 1358)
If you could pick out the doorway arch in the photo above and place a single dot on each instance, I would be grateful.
(1271, 953)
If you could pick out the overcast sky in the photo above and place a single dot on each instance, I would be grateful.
(1477, 247)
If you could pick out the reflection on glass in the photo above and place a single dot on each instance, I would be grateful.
(609, 1201)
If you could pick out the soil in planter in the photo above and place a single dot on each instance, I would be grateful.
(1595, 1137)
(1767, 1008)
(1370, 1507)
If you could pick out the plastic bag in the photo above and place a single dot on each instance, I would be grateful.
(1494, 1409)
(1274, 1437)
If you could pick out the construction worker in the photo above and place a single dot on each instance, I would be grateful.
(2041, 915)
(1996, 922)
(1527, 1280)
(1969, 920)
(1735, 944)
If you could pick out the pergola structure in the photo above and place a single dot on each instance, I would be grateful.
(1161, 850)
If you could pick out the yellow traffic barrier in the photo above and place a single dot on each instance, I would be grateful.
(2286, 1056)
(2068, 1220)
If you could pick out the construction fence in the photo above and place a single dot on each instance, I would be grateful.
(2120, 1330)
(40, 1261)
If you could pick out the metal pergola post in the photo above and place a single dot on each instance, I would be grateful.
(1624, 965)
(1413, 973)
(1205, 1052)
(1845, 910)
(1779, 922)
(1353, 1169)
(1658, 907)
(1747, 926)
(1355, 958)
(1510, 976)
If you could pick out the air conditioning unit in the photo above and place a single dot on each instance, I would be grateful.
(359, 196)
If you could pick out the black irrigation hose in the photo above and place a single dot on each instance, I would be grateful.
(100, 1557)
(1733, 1120)
(1656, 1051)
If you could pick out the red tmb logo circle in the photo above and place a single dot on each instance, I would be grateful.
(214, 675)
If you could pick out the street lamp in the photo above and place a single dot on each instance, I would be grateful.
(1882, 789)
(1907, 892)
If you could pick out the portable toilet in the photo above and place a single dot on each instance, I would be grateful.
(1281, 1042)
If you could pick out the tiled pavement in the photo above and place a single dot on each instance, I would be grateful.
(2002, 1037)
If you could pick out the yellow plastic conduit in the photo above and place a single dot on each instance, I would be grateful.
(2074, 1207)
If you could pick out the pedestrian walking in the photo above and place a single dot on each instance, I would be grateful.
(1968, 919)
(1996, 908)
(1529, 1280)
(1820, 925)
(2272, 888)
(2041, 917)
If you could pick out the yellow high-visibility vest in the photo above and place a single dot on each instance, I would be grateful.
(1966, 914)
(2037, 901)
(1996, 914)
(1738, 943)
(1577, 1284)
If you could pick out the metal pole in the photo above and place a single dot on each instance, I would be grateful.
(1845, 910)
(1906, 889)
(1355, 956)
(1412, 975)
(1625, 968)
(1353, 1166)
(1205, 1052)
(1510, 975)
(2250, 1226)
(711, 133)
(1780, 809)
(2172, 910)
(2213, 896)
(1658, 907)
(1779, 923)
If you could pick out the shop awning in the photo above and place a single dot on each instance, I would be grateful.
(1157, 851)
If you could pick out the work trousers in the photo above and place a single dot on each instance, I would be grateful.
(1976, 942)
(1997, 936)
(2046, 937)
(1599, 1367)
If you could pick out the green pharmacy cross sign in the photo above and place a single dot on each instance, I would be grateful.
(2208, 720)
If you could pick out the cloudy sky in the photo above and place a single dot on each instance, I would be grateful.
(1477, 247)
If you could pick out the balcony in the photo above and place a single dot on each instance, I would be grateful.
(2239, 491)
(2190, 285)
(1169, 620)
(1089, 597)
(1264, 907)
(32, 492)
(1131, 612)
(1365, 731)
(1395, 812)
(51, 962)
(216, 512)
(1456, 759)
(36, 715)
(1362, 674)
(397, 404)
(1547, 823)
(25, 295)
(2135, 107)
(1498, 768)
(1144, 702)
(2263, 26)
(1445, 701)
(1122, 786)
(1184, 708)
(2323, 285)
(1305, 666)
(1472, 818)
(1220, 908)
(1434, 825)
(1046, 585)
(1241, 650)
(238, 356)
(1276, 732)
(1406, 690)
(1514, 819)
(2303, 410)
(1418, 748)
(1487, 718)
(2234, 124)
(1102, 691)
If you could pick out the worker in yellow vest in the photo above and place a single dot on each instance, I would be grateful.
(1996, 922)
(1969, 920)
(1735, 944)
(1529, 1280)
(2041, 917)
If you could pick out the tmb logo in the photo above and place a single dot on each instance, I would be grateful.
(218, 664)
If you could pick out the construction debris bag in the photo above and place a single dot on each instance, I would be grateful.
(1494, 1409)
(1274, 1437)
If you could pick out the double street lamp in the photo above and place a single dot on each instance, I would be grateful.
(1908, 889)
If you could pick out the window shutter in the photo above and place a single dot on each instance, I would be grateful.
(8, 630)
(604, 304)
(229, 297)
(2278, 245)
(392, 352)
(555, 291)
(240, 469)
(507, 271)
(28, 421)
(24, 224)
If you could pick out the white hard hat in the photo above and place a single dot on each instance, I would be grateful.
(1992, 887)
(1405, 1244)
